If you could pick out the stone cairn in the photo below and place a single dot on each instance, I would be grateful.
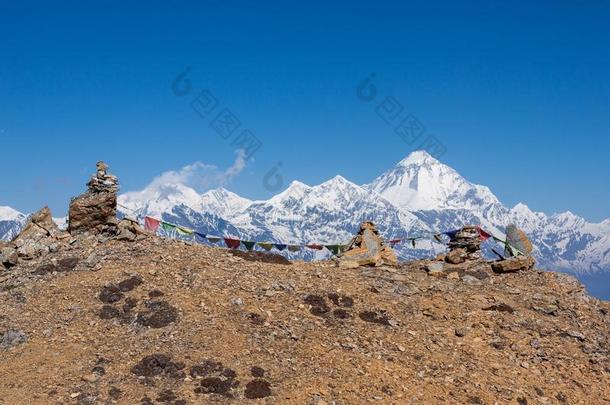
(466, 245)
(367, 248)
(102, 181)
(95, 210)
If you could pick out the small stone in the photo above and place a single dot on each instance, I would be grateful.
(471, 280)
(453, 276)
(91, 378)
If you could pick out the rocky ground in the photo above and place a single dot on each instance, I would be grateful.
(152, 321)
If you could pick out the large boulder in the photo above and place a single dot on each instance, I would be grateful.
(92, 212)
(39, 236)
(95, 211)
(514, 264)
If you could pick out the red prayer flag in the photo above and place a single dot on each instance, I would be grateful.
(483, 235)
(151, 224)
(315, 247)
(232, 243)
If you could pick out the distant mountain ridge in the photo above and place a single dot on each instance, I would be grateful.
(418, 195)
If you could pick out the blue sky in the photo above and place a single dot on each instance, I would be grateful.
(519, 94)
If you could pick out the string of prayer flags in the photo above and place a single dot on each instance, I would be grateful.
(151, 224)
(265, 245)
(232, 243)
(248, 244)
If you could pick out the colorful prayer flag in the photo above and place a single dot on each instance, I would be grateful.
(201, 235)
(334, 249)
(452, 234)
(232, 243)
(294, 248)
(213, 239)
(280, 247)
(248, 245)
(315, 247)
(151, 224)
(483, 235)
(167, 227)
(184, 231)
(395, 242)
(266, 246)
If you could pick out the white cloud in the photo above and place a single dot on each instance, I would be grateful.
(201, 176)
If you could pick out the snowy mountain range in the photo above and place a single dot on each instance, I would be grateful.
(419, 195)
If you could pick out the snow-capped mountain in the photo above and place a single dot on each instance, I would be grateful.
(419, 195)
(11, 222)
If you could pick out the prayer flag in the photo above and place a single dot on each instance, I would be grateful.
(201, 235)
(151, 224)
(266, 246)
(279, 247)
(167, 227)
(334, 249)
(184, 231)
(483, 235)
(232, 243)
(452, 234)
(248, 245)
(413, 243)
(213, 239)
(294, 248)
(315, 247)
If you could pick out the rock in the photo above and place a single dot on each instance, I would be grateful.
(12, 338)
(465, 244)
(456, 256)
(513, 265)
(471, 280)
(368, 248)
(92, 212)
(95, 210)
(435, 269)
(516, 238)
(8, 257)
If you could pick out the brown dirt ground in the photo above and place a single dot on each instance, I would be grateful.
(223, 329)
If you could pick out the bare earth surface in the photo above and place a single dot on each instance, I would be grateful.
(159, 321)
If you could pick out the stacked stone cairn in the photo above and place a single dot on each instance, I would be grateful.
(465, 246)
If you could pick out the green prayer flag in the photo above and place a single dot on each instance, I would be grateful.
(167, 227)
(294, 248)
(213, 239)
(334, 249)
(249, 245)
(266, 246)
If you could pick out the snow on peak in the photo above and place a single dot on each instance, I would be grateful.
(10, 214)
(419, 157)
(421, 182)
(223, 203)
